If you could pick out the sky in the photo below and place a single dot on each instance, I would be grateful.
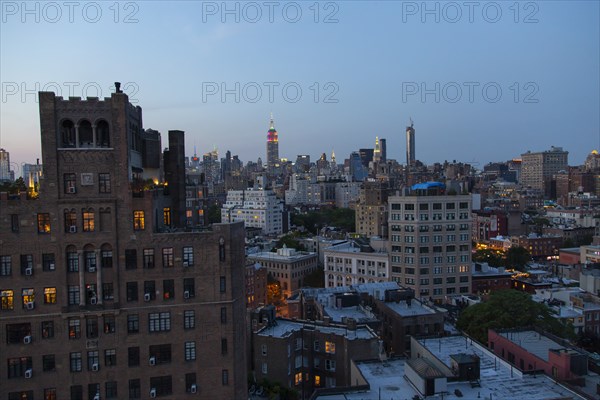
(482, 81)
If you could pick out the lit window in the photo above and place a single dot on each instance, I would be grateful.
(28, 297)
(167, 216)
(7, 300)
(88, 221)
(43, 223)
(139, 221)
(330, 347)
(50, 295)
(298, 378)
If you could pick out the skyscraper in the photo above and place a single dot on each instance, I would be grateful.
(383, 150)
(410, 144)
(5, 173)
(376, 151)
(272, 147)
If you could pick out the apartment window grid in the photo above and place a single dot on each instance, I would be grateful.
(159, 322)
(189, 319)
(104, 183)
(5, 265)
(88, 218)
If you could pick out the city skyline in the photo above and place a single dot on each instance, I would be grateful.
(363, 72)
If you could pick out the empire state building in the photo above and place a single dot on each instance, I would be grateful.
(272, 147)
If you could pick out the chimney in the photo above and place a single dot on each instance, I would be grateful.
(118, 87)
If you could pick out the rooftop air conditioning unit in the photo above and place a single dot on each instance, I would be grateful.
(72, 229)
(93, 301)
(152, 360)
(30, 305)
(71, 189)
(27, 339)
(28, 373)
(152, 393)
(95, 367)
(147, 297)
(193, 388)
(186, 294)
(29, 271)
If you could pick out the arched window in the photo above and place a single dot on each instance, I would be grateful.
(102, 134)
(72, 259)
(67, 133)
(86, 137)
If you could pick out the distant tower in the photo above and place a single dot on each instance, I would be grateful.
(383, 148)
(377, 151)
(410, 144)
(272, 147)
(6, 175)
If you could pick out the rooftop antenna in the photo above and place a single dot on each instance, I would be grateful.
(411, 121)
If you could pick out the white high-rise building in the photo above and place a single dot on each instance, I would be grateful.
(257, 207)
(5, 173)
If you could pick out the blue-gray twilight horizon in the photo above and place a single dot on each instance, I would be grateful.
(483, 81)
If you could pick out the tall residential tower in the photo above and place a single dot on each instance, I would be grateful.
(410, 144)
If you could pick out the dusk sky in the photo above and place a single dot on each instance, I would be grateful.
(362, 68)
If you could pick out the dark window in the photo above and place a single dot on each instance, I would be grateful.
(110, 390)
(70, 221)
(15, 333)
(133, 323)
(148, 258)
(48, 362)
(190, 379)
(24, 395)
(5, 265)
(168, 289)
(161, 353)
(189, 288)
(130, 258)
(162, 385)
(132, 291)
(26, 264)
(109, 324)
(104, 183)
(48, 262)
(14, 223)
(222, 284)
(133, 356)
(91, 327)
(223, 346)
(93, 357)
(72, 260)
(47, 329)
(74, 328)
(135, 391)
(43, 223)
(93, 390)
(50, 394)
(75, 362)
(106, 259)
(225, 377)
(168, 258)
(77, 392)
(223, 315)
(17, 366)
(69, 183)
(108, 291)
(110, 357)
(149, 290)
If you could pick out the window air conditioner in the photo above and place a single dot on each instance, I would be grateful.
(28, 271)
(193, 388)
(72, 229)
(147, 297)
(71, 189)
(95, 367)
(28, 373)
(93, 301)
(27, 339)
(152, 360)
(152, 393)
(30, 305)
(186, 294)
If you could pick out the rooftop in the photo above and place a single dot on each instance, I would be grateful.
(415, 308)
(376, 289)
(269, 256)
(533, 342)
(284, 328)
(351, 247)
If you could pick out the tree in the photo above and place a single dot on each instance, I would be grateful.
(507, 309)
(493, 257)
(315, 279)
(213, 214)
(517, 257)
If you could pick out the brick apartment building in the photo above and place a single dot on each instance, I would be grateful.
(103, 293)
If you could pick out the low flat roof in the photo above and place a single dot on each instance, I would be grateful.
(285, 328)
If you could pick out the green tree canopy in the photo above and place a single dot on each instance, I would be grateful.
(342, 218)
(517, 258)
(507, 309)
